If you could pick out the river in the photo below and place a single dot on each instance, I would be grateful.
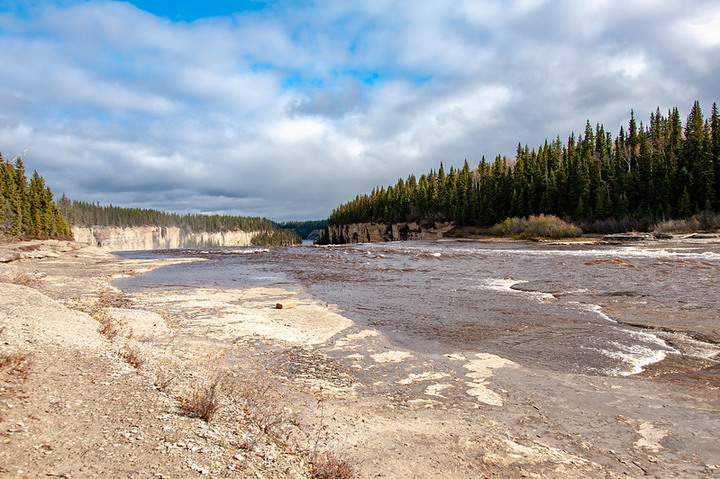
(583, 308)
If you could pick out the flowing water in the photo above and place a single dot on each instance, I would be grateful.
(560, 307)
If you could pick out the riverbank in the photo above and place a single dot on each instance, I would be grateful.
(294, 383)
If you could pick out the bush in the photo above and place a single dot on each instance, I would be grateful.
(203, 401)
(330, 466)
(705, 221)
(543, 226)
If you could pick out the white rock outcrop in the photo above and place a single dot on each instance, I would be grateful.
(157, 237)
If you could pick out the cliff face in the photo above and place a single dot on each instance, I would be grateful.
(380, 232)
(157, 237)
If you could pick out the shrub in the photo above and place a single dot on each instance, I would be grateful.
(543, 226)
(676, 226)
(708, 221)
(203, 401)
(705, 221)
(330, 466)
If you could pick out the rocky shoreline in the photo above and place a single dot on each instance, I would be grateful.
(97, 382)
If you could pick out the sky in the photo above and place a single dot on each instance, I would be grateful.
(287, 109)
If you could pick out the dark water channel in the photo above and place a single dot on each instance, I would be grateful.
(560, 307)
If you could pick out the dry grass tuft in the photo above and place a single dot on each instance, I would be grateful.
(133, 356)
(108, 326)
(12, 362)
(98, 310)
(22, 278)
(203, 401)
(13, 367)
(263, 405)
(330, 466)
(163, 380)
(115, 299)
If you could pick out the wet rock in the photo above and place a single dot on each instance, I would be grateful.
(629, 237)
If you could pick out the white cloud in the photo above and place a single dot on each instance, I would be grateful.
(291, 131)
(703, 31)
(286, 113)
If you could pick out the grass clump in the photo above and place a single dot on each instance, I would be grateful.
(108, 327)
(22, 278)
(543, 226)
(203, 401)
(13, 368)
(12, 362)
(133, 356)
(330, 466)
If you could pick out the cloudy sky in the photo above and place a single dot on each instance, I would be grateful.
(285, 109)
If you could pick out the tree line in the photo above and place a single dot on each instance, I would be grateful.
(81, 213)
(655, 171)
(27, 207)
(304, 228)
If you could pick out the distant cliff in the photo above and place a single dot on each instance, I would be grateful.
(380, 232)
(158, 237)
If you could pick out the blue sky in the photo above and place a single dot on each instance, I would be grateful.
(287, 109)
(195, 10)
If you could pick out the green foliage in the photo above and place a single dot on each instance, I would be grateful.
(27, 208)
(543, 226)
(276, 237)
(648, 173)
(324, 238)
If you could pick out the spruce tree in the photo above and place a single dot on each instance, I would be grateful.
(715, 152)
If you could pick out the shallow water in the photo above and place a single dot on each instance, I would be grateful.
(560, 307)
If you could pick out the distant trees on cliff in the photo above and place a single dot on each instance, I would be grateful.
(654, 171)
(80, 213)
(27, 207)
(304, 228)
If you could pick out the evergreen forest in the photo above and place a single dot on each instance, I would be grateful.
(304, 228)
(27, 207)
(649, 172)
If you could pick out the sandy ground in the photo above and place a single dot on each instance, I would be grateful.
(297, 386)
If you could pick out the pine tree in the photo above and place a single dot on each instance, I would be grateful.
(697, 160)
(715, 152)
